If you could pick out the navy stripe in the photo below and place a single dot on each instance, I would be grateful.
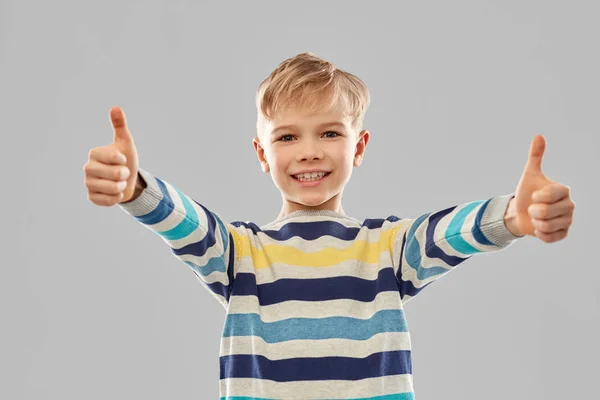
(375, 223)
(305, 230)
(477, 233)
(312, 368)
(431, 248)
(230, 266)
(315, 229)
(318, 289)
(215, 287)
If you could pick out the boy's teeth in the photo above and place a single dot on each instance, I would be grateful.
(310, 176)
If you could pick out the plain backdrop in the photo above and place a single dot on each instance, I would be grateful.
(94, 306)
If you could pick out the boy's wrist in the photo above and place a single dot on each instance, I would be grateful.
(140, 185)
(510, 218)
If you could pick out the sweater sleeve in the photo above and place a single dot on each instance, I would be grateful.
(195, 235)
(426, 248)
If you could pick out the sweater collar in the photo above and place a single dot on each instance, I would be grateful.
(312, 213)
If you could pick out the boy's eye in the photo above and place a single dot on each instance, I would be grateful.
(284, 137)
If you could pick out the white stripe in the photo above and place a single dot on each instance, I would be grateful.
(276, 226)
(385, 341)
(314, 309)
(333, 389)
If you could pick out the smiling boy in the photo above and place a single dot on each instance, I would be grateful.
(314, 299)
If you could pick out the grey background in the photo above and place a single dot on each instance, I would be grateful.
(94, 306)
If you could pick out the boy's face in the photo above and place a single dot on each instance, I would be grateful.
(300, 142)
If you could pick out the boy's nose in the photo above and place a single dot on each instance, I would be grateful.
(310, 153)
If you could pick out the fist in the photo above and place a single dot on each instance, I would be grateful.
(111, 171)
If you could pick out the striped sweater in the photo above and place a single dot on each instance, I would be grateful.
(314, 300)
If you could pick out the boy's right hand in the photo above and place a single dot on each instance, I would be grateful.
(109, 177)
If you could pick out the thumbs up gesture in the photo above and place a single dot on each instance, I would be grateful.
(111, 171)
(542, 208)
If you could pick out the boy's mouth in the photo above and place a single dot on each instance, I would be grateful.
(311, 176)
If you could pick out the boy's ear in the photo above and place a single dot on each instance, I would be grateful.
(260, 153)
(361, 145)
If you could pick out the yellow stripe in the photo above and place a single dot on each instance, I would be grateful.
(360, 250)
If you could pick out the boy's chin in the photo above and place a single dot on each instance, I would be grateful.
(312, 201)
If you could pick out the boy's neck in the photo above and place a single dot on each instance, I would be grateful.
(289, 208)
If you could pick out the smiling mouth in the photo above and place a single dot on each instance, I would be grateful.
(311, 177)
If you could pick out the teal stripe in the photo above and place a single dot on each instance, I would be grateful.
(314, 328)
(187, 225)
(397, 396)
(453, 233)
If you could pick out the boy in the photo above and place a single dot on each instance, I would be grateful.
(314, 299)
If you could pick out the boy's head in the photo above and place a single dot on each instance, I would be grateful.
(310, 117)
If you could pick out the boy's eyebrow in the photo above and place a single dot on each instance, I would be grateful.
(332, 123)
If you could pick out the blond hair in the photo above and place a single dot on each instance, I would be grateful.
(312, 84)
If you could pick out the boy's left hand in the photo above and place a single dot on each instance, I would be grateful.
(542, 208)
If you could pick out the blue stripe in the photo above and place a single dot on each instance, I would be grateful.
(312, 368)
(318, 289)
(315, 328)
(162, 210)
(404, 286)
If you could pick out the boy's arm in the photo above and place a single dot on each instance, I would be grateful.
(426, 248)
(197, 236)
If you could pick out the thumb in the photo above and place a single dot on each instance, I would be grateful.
(119, 123)
(536, 152)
